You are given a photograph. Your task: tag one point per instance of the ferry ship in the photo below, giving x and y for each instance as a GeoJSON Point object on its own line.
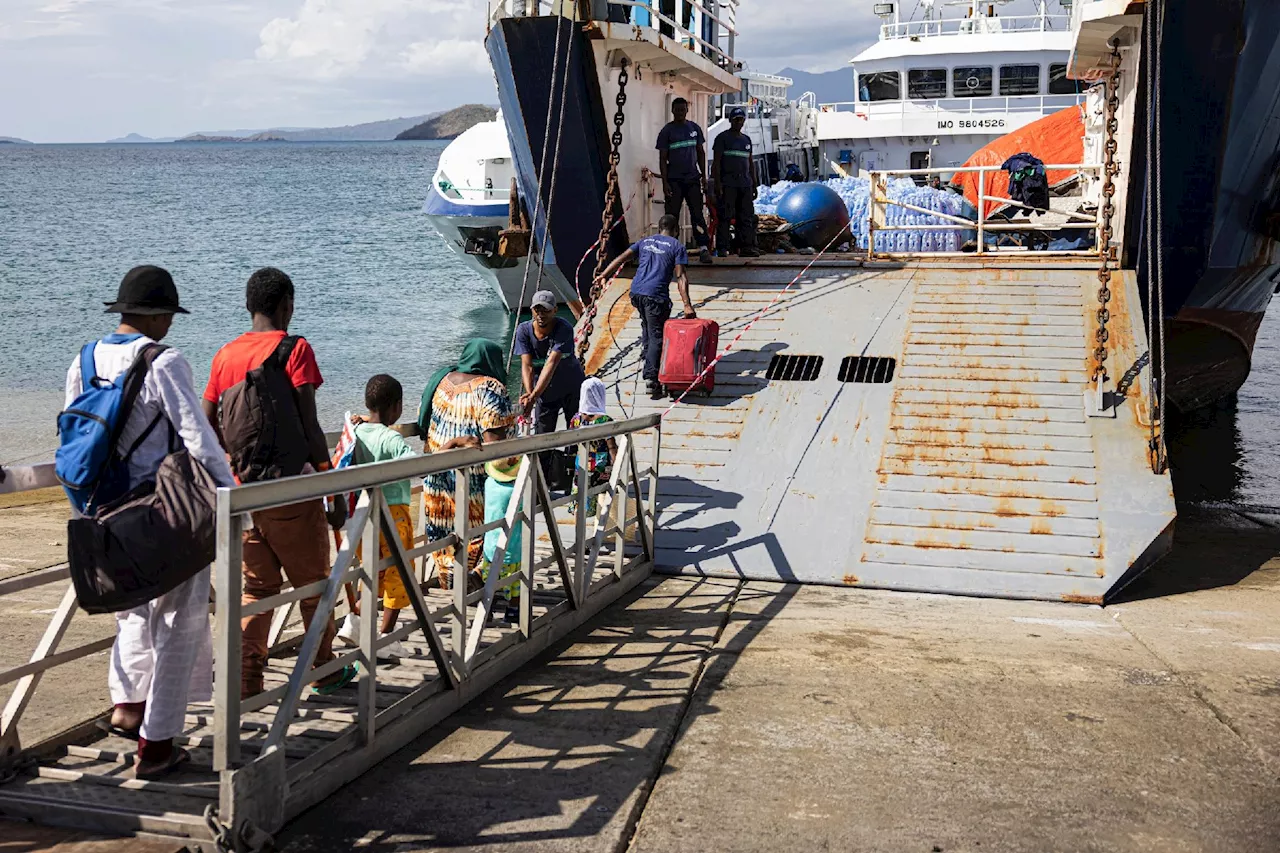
{"type": "Point", "coordinates": [986, 423]}
{"type": "Point", "coordinates": [933, 90]}
{"type": "Point", "coordinates": [468, 204]}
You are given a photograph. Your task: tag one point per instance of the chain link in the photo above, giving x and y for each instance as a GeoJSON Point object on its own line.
{"type": "Point", "coordinates": [611, 199]}
{"type": "Point", "coordinates": [1110, 261]}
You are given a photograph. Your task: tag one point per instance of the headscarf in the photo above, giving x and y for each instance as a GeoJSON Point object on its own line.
{"type": "Point", "coordinates": [480, 357]}
{"type": "Point", "coordinates": [592, 399]}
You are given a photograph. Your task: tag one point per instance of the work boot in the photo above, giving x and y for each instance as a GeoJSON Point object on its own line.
{"type": "Point", "coordinates": [704, 255]}
{"type": "Point", "coordinates": [749, 253]}
{"type": "Point", "coordinates": [656, 391]}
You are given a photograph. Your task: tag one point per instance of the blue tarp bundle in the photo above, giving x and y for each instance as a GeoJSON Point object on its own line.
{"type": "Point", "coordinates": [856, 194]}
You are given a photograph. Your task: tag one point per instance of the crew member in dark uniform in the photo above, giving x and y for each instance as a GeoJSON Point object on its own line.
{"type": "Point", "coordinates": [683, 152]}
{"type": "Point", "coordinates": [734, 172]}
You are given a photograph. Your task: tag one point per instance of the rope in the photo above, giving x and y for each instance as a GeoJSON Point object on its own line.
{"type": "Point", "coordinates": [1149, 222]}
{"type": "Point", "coordinates": [542, 171]}
{"type": "Point", "coordinates": [1161, 451]}
{"type": "Point", "coordinates": [729, 347]}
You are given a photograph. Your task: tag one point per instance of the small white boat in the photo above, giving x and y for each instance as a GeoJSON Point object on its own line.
{"type": "Point", "coordinates": [468, 203]}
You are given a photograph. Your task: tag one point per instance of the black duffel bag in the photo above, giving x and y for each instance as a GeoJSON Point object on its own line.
{"type": "Point", "coordinates": [148, 542]}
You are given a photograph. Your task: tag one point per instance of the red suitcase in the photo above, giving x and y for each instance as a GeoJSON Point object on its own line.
{"type": "Point", "coordinates": [688, 346]}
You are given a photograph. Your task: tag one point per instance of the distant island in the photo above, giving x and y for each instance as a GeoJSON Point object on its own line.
{"type": "Point", "coordinates": [265, 136]}
{"type": "Point", "coordinates": [449, 125]}
{"type": "Point", "coordinates": [136, 138]}
{"type": "Point", "coordinates": [13, 140]}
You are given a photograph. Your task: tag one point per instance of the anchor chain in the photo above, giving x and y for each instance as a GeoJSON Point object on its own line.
{"type": "Point", "coordinates": [1110, 261]}
{"type": "Point", "coordinates": [611, 200]}
{"type": "Point", "coordinates": [249, 838]}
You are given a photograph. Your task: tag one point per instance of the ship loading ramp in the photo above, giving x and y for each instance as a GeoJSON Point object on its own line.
{"type": "Point", "coordinates": [919, 426]}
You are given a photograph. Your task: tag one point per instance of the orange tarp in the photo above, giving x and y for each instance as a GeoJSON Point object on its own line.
{"type": "Point", "coordinates": [1056, 139]}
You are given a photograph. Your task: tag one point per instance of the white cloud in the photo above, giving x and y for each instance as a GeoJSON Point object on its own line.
{"type": "Point", "coordinates": [446, 55]}
{"type": "Point", "coordinates": [328, 39]}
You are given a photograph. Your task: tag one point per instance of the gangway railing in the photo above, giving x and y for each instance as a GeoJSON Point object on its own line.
{"type": "Point", "coordinates": [1081, 220]}
{"type": "Point", "coordinates": [565, 576]}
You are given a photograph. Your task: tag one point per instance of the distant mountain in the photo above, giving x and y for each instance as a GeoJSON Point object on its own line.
{"type": "Point", "coordinates": [829, 86]}
{"type": "Point", "coordinates": [265, 136]}
{"type": "Point", "coordinates": [373, 131]}
{"type": "Point", "coordinates": [449, 125]}
{"type": "Point", "coordinates": [137, 137]}
{"type": "Point", "coordinates": [13, 140]}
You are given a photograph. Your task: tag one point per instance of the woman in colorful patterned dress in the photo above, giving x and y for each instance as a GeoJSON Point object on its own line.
{"type": "Point", "coordinates": [464, 405]}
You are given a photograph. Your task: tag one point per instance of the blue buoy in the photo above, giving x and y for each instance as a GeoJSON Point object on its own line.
{"type": "Point", "coordinates": [816, 212]}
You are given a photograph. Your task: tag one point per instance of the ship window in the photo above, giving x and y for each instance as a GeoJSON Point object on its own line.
{"type": "Point", "coordinates": [919, 160]}
{"type": "Point", "coordinates": [971, 82]}
{"type": "Point", "coordinates": [794, 368]}
{"type": "Point", "coordinates": [926, 83]}
{"type": "Point", "coordinates": [1058, 82]}
{"type": "Point", "coordinates": [879, 86]}
{"type": "Point", "coordinates": [1019, 79]}
{"type": "Point", "coordinates": [871, 369]}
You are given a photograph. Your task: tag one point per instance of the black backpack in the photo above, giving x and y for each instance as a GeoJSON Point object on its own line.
{"type": "Point", "coordinates": [261, 424]}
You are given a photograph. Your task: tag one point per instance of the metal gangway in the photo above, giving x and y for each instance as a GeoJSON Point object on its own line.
{"type": "Point", "coordinates": [258, 762]}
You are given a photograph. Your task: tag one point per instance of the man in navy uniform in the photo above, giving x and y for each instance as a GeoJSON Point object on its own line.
{"type": "Point", "coordinates": [734, 172]}
{"type": "Point", "coordinates": [682, 154]}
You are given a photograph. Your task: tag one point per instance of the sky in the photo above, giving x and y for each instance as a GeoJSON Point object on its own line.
{"type": "Point", "coordinates": [91, 70]}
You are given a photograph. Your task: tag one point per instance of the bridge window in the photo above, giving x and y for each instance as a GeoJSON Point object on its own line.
{"type": "Point", "coordinates": [879, 86]}
{"type": "Point", "coordinates": [1058, 82]}
{"type": "Point", "coordinates": [926, 83]}
{"type": "Point", "coordinates": [1019, 79]}
{"type": "Point", "coordinates": [971, 82]}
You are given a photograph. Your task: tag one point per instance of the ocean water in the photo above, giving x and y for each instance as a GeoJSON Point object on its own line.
{"type": "Point", "coordinates": [377, 289]}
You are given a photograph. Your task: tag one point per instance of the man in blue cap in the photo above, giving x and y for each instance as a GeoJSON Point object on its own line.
{"type": "Point", "coordinates": [733, 170]}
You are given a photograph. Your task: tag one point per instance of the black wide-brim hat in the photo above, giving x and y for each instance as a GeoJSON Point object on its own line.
{"type": "Point", "coordinates": [146, 290]}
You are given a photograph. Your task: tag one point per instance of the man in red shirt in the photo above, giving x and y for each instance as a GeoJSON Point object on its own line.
{"type": "Point", "coordinates": [290, 538]}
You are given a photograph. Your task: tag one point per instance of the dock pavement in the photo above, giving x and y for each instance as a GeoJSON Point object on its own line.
{"type": "Point", "coordinates": [710, 714]}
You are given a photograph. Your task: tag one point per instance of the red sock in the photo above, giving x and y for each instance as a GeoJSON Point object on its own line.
{"type": "Point", "coordinates": [154, 750]}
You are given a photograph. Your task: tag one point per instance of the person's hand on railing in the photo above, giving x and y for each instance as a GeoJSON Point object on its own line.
{"type": "Point", "coordinates": [469, 442]}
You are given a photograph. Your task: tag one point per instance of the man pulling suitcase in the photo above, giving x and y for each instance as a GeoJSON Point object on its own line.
{"type": "Point", "coordinates": [660, 259]}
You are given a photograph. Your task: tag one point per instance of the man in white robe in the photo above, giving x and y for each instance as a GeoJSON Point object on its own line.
{"type": "Point", "coordinates": [163, 656]}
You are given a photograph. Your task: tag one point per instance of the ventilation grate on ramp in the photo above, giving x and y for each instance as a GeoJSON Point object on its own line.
{"type": "Point", "coordinates": [875, 370]}
{"type": "Point", "coordinates": [794, 368]}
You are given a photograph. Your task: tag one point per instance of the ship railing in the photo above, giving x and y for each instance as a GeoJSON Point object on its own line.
{"type": "Point", "coordinates": [913, 108]}
{"type": "Point", "coordinates": [981, 25]}
{"type": "Point", "coordinates": [577, 574]}
{"type": "Point", "coordinates": [985, 233]}
{"type": "Point", "coordinates": [722, 16]}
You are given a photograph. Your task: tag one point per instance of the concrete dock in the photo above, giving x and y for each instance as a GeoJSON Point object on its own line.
{"type": "Point", "coordinates": [713, 715]}
{"type": "Point", "coordinates": [717, 715]}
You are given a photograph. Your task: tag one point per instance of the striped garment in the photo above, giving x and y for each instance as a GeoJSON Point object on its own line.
{"type": "Point", "coordinates": [467, 409]}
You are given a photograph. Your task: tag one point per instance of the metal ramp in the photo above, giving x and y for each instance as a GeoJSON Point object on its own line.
{"type": "Point", "coordinates": [973, 467]}
{"type": "Point", "coordinates": [259, 761]}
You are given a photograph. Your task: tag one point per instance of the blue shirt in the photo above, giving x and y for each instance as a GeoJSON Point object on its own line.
{"type": "Point", "coordinates": [681, 140]}
{"type": "Point", "coordinates": [567, 380]}
{"type": "Point", "coordinates": [735, 159]}
{"type": "Point", "coordinates": [657, 257]}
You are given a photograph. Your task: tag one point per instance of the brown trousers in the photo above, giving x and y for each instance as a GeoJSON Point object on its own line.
{"type": "Point", "coordinates": [294, 539]}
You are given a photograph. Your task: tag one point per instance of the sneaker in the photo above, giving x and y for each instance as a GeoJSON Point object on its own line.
{"type": "Point", "coordinates": [349, 633]}
{"type": "Point", "coordinates": [393, 651]}
{"type": "Point", "coordinates": [337, 681]}
{"type": "Point", "coordinates": [704, 256]}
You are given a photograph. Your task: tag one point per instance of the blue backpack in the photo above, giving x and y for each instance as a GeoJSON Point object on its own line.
{"type": "Point", "coordinates": [88, 462]}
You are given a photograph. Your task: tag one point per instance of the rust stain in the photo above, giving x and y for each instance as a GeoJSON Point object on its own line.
{"type": "Point", "coordinates": [1040, 526]}
{"type": "Point", "coordinates": [850, 580]}
{"type": "Point", "coordinates": [1078, 598]}
{"type": "Point", "coordinates": [1076, 481]}
{"type": "Point", "coordinates": [835, 439]}
{"type": "Point", "coordinates": [619, 315]}
{"type": "Point", "coordinates": [1051, 508]}
{"type": "Point", "coordinates": [1101, 572]}
{"type": "Point", "coordinates": [1005, 508]}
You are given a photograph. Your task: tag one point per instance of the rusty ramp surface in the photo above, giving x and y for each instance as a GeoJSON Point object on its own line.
{"type": "Point", "coordinates": [917, 426]}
